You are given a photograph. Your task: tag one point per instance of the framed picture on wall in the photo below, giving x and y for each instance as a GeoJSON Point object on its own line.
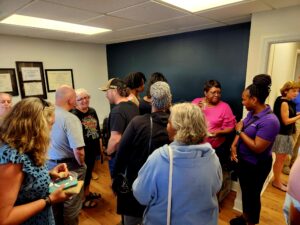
{"type": "Point", "coordinates": [8, 81]}
{"type": "Point", "coordinates": [57, 77]}
{"type": "Point", "coordinates": [31, 79]}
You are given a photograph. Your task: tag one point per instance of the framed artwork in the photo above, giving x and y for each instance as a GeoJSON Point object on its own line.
{"type": "Point", "coordinates": [31, 79]}
{"type": "Point", "coordinates": [57, 77]}
{"type": "Point", "coordinates": [8, 81]}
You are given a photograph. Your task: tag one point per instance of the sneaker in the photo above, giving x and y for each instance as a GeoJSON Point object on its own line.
{"type": "Point", "coordinates": [238, 221]}
{"type": "Point", "coordinates": [286, 170]}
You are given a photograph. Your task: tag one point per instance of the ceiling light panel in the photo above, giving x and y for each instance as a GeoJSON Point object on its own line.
{"type": "Point", "coordinates": [29, 21]}
{"type": "Point", "coordinates": [199, 5]}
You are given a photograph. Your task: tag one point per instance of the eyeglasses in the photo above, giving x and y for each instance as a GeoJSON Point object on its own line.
{"type": "Point", "coordinates": [83, 98]}
{"type": "Point", "coordinates": [215, 92]}
{"type": "Point", "coordinates": [5, 101]}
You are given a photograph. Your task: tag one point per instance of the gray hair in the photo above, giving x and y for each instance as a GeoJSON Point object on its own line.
{"type": "Point", "coordinates": [189, 122]}
{"type": "Point", "coordinates": [161, 96]}
{"type": "Point", "coordinates": [80, 91]}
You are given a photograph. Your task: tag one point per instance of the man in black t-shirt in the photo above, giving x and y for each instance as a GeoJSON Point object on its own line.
{"type": "Point", "coordinates": [120, 115]}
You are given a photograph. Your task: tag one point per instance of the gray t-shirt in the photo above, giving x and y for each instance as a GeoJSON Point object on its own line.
{"type": "Point", "coordinates": [66, 135]}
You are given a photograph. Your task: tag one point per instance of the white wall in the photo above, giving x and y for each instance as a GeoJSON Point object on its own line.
{"type": "Point", "coordinates": [267, 28]}
{"type": "Point", "coordinates": [88, 62]}
{"type": "Point", "coordinates": [282, 62]}
{"type": "Point", "coordinates": [276, 26]}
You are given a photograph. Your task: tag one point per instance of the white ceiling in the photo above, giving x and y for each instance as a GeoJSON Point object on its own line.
{"type": "Point", "coordinates": [128, 19]}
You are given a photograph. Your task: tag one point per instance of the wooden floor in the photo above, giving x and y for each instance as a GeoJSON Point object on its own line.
{"type": "Point", "coordinates": [104, 212]}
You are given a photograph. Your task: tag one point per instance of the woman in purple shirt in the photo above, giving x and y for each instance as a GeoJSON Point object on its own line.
{"type": "Point", "coordinates": [251, 148]}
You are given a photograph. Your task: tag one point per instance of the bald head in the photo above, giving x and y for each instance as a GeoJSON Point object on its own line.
{"type": "Point", "coordinates": [65, 97]}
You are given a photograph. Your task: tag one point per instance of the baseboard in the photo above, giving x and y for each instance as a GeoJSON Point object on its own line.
{"type": "Point", "coordinates": [235, 186]}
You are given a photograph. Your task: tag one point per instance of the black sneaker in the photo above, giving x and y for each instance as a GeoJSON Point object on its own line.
{"type": "Point", "coordinates": [238, 221]}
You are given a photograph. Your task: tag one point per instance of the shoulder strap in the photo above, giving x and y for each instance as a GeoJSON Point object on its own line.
{"type": "Point", "coordinates": [150, 139]}
{"type": "Point", "coordinates": [170, 186]}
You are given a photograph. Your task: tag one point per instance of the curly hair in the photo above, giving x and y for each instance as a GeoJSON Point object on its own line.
{"type": "Point", "coordinates": [189, 123]}
{"type": "Point", "coordinates": [26, 128]}
{"type": "Point", "coordinates": [161, 95]}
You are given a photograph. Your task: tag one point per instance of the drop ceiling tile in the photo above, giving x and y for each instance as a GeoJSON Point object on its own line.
{"type": "Point", "coordinates": [102, 6]}
{"type": "Point", "coordinates": [235, 10]}
{"type": "Point", "coordinates": [185, 21]}
{"type": "Point", "coordinates": [201, 27]}
{"type": "Point", "coordinates": [237, 20]}
{"type": "Point", "coordinates": [148, 12]}
{"type": "Point", "coordinates": [56, 12]}
{"type": "Point", "coordinates": [111, 22]}
{"type": "Point", "coordinates": [282, 3]}
{"type": "Point", "coordinates": [8, 7]}
{"type": "Point", "coordinates": [129, 19]}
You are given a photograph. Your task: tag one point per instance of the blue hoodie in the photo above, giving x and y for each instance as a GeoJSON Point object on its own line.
{"type": "Point", "coordinates": [197, 177]}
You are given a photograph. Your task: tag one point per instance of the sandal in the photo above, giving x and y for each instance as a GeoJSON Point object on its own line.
{"type": "Point", "coordinates": [93, 195]}
{"type": "Point", "coordinates": [89, 203]}
{"type": "Point", "coordinates": [282, 188]}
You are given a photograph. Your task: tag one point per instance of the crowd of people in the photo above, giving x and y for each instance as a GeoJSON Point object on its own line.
{"type": "Point", "coordinates": [165, 160]}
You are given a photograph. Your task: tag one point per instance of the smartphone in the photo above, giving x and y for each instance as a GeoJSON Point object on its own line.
{"type": "Point", "coordinates": [69, 181]}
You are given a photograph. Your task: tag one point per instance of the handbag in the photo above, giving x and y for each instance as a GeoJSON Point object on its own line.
{"type": "Point", "coordinates": [170, 186]}
{"type": "Point", "coordinates": [120, 184]}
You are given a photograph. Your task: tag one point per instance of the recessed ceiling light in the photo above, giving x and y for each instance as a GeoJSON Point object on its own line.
{"type": "Point", "coordinates": [36, 22]}
{"type": "Point", "coordinates": [199, 5]}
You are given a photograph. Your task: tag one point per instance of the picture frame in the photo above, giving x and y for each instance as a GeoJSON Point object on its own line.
{"type": "Point", "coordinates": [8, 81]}
{"type": "Point", "coordinates": [57, 77]}
{"type": "Point", "coordinates": [31, 79]}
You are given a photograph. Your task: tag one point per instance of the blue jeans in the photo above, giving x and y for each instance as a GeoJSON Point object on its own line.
{"type": "Point", "coordinates": [111, 165]}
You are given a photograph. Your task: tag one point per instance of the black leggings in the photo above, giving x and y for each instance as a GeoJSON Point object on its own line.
{"type": "Point", "coordinates": [89, 159]}
{"type": "Point", "coordinates": [252, 178]}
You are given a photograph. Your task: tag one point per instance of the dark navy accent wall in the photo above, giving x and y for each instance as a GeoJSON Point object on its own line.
{"type": "Point", "coordinates": [188, 60]}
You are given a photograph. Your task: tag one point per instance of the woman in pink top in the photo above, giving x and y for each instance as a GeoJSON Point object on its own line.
{"type": "Point", "coordinates": [219, 117]}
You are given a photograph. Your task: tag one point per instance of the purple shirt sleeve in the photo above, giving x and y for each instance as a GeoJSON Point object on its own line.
{"type": "Point", "coordinates": [268, 128]}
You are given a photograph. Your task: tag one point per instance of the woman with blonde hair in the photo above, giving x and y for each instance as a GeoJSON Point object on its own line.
{"type": "Point", "coordinates": [197, 174]}
{"type": "Point", "coordinates": [24, 178]}
{"type": "Point", "coordinates": [285, 110]}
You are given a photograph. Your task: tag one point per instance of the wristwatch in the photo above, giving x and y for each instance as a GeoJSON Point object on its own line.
{"type": "Point", "coordinates": [238, 132]}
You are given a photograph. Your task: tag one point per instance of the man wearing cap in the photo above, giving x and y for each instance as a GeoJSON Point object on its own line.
{"type": "Point", "coordinates": [67, 146]}
{"type": "Point", "coordinates": [120, 115]}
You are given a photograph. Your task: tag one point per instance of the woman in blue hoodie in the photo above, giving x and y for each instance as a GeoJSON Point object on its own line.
{"type": "Point", "coordinates": [197, 174]}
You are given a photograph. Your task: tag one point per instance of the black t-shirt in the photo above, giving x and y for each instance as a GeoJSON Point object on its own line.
{"type": "Point", "coordinates": [285, 129]}
{"type": "Point", "coordinates": [120, 116]}
{"type": "Point", "coordinates": [91, 130]}
{"type": "Point", "coordinates": [145, 107]}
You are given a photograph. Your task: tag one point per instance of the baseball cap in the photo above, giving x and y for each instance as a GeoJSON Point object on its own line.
{"type": "Point", "coordinates": [113, 83]}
